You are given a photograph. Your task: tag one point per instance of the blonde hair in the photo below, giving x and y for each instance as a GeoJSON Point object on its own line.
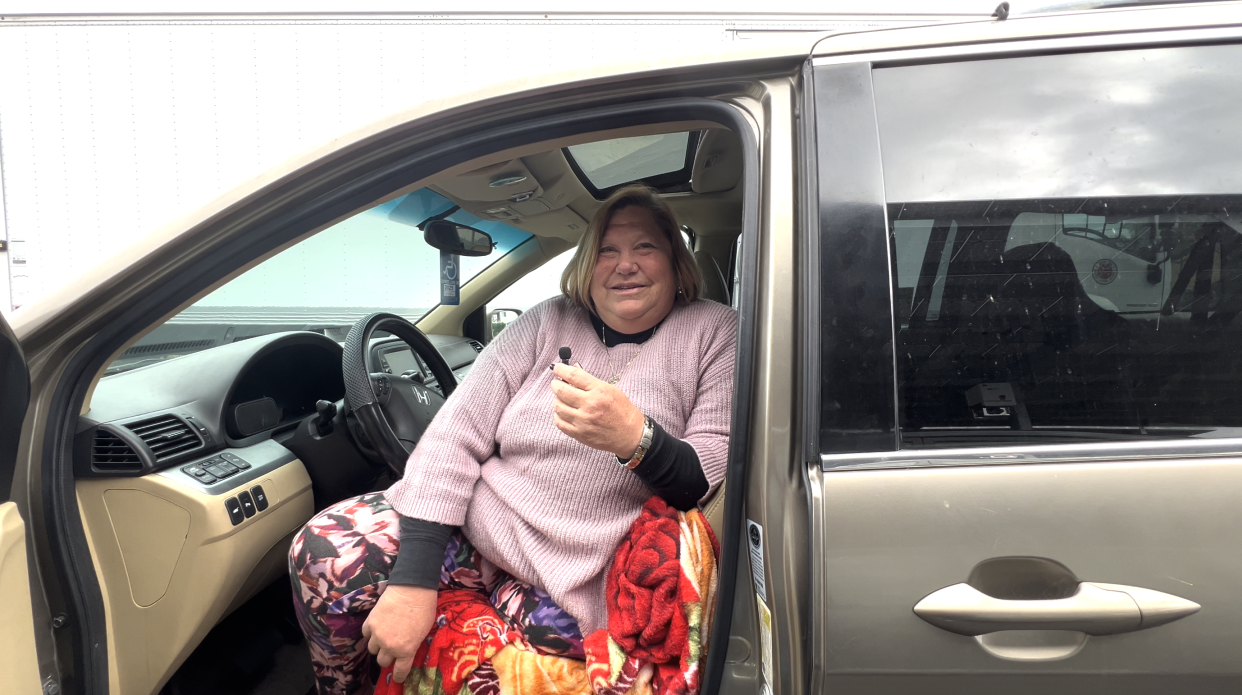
{"type": "Point", "coordinates": [576, 280]}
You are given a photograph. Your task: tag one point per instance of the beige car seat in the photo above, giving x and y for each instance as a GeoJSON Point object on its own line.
{"type": "Point", "coordinates": [713, 510]}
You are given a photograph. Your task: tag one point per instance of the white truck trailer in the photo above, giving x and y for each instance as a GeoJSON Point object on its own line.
{"type": "Point", "coordinates": [114, 125]}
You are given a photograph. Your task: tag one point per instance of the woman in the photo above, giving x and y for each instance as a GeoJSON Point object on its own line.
{"type": "Point", "coordinates": [533, 471]}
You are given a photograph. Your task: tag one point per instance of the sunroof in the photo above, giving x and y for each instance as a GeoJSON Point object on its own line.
{"type": "Point", "coordinates": [659, 160]}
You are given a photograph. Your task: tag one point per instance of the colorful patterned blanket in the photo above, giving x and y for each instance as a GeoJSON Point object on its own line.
{"type": "Point", "coordinates": [661, 594]}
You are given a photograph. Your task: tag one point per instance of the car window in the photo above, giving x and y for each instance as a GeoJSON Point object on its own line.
{"type": "Point", "coordinates": [373, 261]}
{"type": "Point", "coordinates": [611, 162]}
{"type": "Point", "coordinates": [663, 162]}
{"type": "Point", "coordinates": [1067, 246]}
{"type": "Point", "coordinates": [534, 287]}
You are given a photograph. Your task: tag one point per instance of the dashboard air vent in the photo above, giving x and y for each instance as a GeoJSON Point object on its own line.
{"type": "Point", "coordinates": [478, 347]}
{"type": "Point", "coordinates": [167, 436]}
{"type": "Point", "coordinates": [110, 453]}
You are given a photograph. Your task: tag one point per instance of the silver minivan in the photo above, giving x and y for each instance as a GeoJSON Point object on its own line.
{"type": "Point", "coordinates": [987, 431]}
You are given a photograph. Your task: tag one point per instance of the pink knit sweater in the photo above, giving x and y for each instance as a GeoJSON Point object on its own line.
{"type": "Point", "coordinates": [542, 506]}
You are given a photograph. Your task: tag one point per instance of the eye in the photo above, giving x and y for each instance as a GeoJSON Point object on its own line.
{"type": "Point", "coordinates": [607, 250]}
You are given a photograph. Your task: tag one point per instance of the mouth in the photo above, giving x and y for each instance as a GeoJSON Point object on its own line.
{"type": "Point", "coordinates": [627, 287]}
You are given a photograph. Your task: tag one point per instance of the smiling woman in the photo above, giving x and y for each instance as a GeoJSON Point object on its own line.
{"type": "Point", "coordinates": [630, 272]}
{"type": "Point", "coordinates": [527, 479]}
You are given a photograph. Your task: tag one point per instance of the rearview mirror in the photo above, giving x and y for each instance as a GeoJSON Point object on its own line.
{"type": "Point", "coordinates": [457, 238]}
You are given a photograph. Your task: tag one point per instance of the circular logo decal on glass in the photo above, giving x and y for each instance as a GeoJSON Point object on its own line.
{"type": "Point", "coordinates": [1105, 271]}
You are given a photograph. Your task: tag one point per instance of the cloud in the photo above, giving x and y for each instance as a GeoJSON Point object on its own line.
{"type": "Point", "coordinates": [1140, 122]}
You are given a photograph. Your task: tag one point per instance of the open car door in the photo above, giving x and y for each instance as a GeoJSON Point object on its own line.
{"type": "Point", "coordinates": [18, 660]}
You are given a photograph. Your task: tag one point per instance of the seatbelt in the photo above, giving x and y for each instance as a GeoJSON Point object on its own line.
{"type": "Point", "coordinates": [1199, 265]}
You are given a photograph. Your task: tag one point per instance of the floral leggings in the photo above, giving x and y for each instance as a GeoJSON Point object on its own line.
{"type": "Point", "coordinates": [339, 564]}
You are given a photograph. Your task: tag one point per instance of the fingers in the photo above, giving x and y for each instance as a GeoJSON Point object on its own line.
{"type": "Point", "coordinates": [370, 644]}
{"type": "Point", "coordinates": [565, 412]}
{"type": "Point", "coordinates": [401, 669]}
{"type": "Point", "coordinates": [563, 424]}
{"type": "Point", "coordinates": [575, 376]}
{"type": "Point", "coordinates": [568, 394]}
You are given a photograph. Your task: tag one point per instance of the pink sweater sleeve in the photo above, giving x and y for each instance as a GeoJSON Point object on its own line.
{"type": "Point", "coordinates": [707, 428]}
{"type": "Point", "coordinates": [441, 474]}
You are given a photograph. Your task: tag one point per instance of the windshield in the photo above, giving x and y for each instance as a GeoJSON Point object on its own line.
{"type": "Point", "coordinates": [374, 261]}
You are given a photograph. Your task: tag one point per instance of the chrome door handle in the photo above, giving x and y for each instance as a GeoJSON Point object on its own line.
{"type": "Point", "coordinates": [1095, 609]}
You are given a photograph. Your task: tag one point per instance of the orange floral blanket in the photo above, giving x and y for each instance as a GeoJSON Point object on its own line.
{"type": "Point", "coordinates": [661, 594]}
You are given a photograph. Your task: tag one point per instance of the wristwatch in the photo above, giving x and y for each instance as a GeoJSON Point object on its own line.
{"type": "Point", "coordinates": [643, 445]}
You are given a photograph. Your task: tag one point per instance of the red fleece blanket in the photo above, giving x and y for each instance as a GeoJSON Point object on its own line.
{"type": "Point", "coordinates": [661, 594]}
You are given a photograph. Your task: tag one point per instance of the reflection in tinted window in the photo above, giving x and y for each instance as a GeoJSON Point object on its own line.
{"type": "Point", "coordinates": [1145, 122]}
{"type": "Point", "coordinates": [1017, 322]}
{"type": "Point", "coordinates": [1067, 246]}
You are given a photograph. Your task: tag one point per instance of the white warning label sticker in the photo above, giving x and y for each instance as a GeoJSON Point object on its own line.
{"type": "Point", "coordinates": [765, 639]}
{"type": "Point", "coordinates": [754, 541]}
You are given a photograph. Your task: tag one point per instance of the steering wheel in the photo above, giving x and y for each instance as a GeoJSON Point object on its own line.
{"type": "Point", "coordinates": [393, 411]}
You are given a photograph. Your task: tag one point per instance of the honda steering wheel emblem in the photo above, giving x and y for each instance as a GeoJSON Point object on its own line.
{"type": "Point", "coordinates": [1104, 271]}
{"type": "Point", "coordinates": [421, 395]}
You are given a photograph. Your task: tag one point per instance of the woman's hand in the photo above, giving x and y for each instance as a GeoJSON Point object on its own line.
{"type": "Point", "coordinates": [595, 412]}
{"type": "Point", "coordinates": [397, 626]}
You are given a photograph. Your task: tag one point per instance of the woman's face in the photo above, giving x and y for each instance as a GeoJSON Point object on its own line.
{"type": "Point", "coordinates": [634, 285]}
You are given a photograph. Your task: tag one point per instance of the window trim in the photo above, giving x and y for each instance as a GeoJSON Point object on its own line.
{"type": "Point", "coordinates": [850, 277]}
{"type": "Point", "coordinates": [1089, 452]}
{"type": "Point", "coordinates": [302, 202]}
{"type": "Point", "coordinates": [1018, 47]}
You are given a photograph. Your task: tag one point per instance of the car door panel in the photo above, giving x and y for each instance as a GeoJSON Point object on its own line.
{"type": "Point", "coordinates": [898, 535]}
{"type": "Point", "coordinates": [996, 425]}
{"type": "Point", "coordinates": [19, 660]}
{"type": "Point", "coordinates": [172, 563]}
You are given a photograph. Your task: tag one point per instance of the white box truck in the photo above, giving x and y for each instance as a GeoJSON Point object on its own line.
{"type": "Point", "coordinates": [114, 125]}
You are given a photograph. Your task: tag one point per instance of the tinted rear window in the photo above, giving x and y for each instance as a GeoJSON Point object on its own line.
{"type": "Point", "coordinates": [1067, 246]}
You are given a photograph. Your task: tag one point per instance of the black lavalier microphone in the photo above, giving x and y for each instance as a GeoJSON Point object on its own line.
{"type": "Point", "coordinates": [565, 354]}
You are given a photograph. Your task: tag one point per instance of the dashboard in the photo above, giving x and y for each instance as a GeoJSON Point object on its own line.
{"type": "Point", "coordinates": [220, 418]}
{"type": "Point", "coordinates": [393, 356]}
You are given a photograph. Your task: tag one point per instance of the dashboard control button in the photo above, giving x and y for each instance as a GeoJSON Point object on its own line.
{"type": "Point", "coordinates": [227, 467]}
{"type": "Point", "coordinates": [247, 504]}
{"type": "Point", "coordinates": [217, 471]}
{"type": "Point", "coordinates": [235, 510]}
{"type": "Point", "coordinates": [196, 471]}
{"type": "Point", "coordinates": [235, 460]}
{"type": "Point", "coordinates": [260, 499]}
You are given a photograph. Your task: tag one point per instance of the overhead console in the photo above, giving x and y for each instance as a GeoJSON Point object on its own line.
{"type": "Point", "coordinates": [534, 192]}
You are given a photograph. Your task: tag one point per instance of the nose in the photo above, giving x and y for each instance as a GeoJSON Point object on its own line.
{"type": "Point", "coordinates": [627, 264]}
